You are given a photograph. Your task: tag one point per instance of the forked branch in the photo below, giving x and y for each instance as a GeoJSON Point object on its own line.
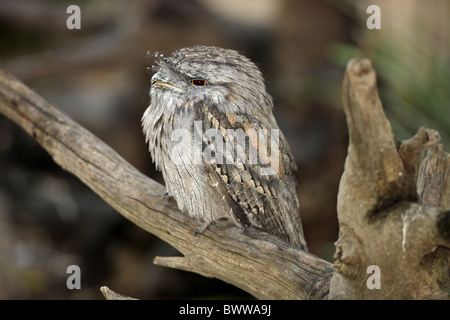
{"type": "Point", "coordinates": [391, 213]}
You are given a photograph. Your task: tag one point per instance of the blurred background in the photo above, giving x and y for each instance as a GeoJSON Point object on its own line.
{"type": "Point", "coordinates": [98, 75]}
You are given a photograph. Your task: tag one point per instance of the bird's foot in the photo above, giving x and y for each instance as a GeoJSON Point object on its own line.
{"type": "Point", "coordinates": [166, 195]}
{"type": "Point", "coordinates": [201, 228]}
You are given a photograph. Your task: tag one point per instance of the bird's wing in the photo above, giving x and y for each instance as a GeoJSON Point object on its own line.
{"type": "Point", "coordinates": [249, 161]}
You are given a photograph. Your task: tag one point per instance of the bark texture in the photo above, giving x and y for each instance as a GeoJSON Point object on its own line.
{"type": "Point", "coordinates": [383, 220]}
{"type": "Point", "coordinates": [392, 213]}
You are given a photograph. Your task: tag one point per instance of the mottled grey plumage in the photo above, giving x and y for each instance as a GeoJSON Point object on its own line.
{"type": "Point", "coordinates": [201, 88]}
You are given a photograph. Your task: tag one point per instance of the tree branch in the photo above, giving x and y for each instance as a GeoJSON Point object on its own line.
{"type": "Point", "coordinates": [391, 213]}
{"type": "Point", "coordinates": [433, 183]}
{"type": "Point", "coordinates": [111, 295]}
{"type": "Point", "coordinates": [253, 260]}
{"type": "Point", "coordinates": [379, 225]}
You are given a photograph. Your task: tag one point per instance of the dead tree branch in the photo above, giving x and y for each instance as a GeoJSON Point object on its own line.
{"type": "Point", "coordinates": [392, 213]}
{"type": "Point", "coordinates": [379, 225]}
{"type": "Point", "coordinates": [253, 260]}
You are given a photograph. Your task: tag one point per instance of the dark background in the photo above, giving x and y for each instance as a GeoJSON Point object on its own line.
{"type": "Point", "coordinates": [98, 75]}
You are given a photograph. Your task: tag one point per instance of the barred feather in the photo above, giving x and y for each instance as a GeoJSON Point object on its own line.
{"type": "Point", "coordinates": [228, 101]}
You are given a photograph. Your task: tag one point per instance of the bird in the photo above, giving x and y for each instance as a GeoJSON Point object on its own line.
{"type": "Point", "coordinates": [211, 131]}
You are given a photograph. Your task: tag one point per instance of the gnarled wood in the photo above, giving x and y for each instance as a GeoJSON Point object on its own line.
{"type": "Point", "coordinates": [378, 223]}
{"type": "Point", "coordinates": [386, 218]}
{"type": "Point", "coordinates": [253, 260]}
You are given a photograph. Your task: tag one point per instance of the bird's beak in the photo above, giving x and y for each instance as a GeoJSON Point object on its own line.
{"type": "Point", "coordinates": [166, 85]}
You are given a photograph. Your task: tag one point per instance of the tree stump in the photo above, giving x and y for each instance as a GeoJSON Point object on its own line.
{"type": "Point", "coordinates": [384, 221]}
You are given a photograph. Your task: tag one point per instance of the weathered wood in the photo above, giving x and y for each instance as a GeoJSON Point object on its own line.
{"type": "Point", "coordinates": [378, 223]}
{"type": "Point", "coordinates": [433, 184]}
{"type": "Point", "coordinates": [259, 263]}
{"type": "Point", "coordinates": [112, 295]}
{"type": "Point", "coordinates": [391, 214]}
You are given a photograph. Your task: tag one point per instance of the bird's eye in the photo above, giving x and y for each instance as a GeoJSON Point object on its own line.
{"type": "Point", "coordinates": [199, 82]}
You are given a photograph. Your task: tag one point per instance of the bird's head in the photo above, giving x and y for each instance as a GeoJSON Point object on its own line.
{"type": "Point", "coordinates": [207, 74]}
